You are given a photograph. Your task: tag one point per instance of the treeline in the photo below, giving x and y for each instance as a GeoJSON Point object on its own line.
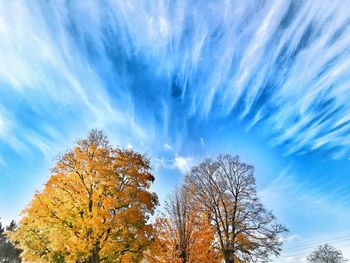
{"type": "Point", "coordinates": [97, 207]}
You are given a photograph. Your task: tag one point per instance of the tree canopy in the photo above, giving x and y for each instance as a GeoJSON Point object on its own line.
{"type": "Point", "coordinates": [97, 203]}
{"type": "Point", "coordinates": [94, 207]}
{"type": "Point", "coordinates": [326, 254]}
{"type": "Point", "coordinates": [225, 190]}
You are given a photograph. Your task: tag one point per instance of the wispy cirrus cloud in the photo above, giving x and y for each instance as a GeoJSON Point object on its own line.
{"type": "Point", "coordinates": [285, 67]}
{"type": "Point", "coordinates": [47, 83]}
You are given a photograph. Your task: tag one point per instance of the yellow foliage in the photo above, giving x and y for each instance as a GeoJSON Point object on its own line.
{"type": "Point", "coordinates": [94, 207]}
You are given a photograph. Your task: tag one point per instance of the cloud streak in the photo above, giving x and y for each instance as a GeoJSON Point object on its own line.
{"type": "Point", "coordinates": [282, 65]}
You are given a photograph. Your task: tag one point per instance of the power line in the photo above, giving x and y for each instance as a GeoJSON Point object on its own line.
{"type": "Point", "coordinates": [316, 242]}
{"type": "Point", "coordinates": [321, 239]}
{"type": "Point", "coordinates": [312, 244]}
{"type": "Point", "coordinates": [306, 254]}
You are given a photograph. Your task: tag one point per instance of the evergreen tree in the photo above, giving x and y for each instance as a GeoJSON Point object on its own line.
{"type": "Point", "coordinates": [8, 252]}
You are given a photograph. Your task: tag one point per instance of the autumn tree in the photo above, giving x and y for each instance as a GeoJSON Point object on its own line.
{"type": "Point", "coordinates": [326, 254]}
{"type": "Point", "coordinates": [225, 189]}
{"type": "Point", "coordinates": [8, 252]}
{"type": "Point", "coordinates": [184, 234]}
{"type": "Point", "coordinates": [94, 207]}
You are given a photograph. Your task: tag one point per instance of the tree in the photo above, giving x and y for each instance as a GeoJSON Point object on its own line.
{"type": "Point", "coordinates": [8, 252]}
{"type": "Point", "coordinates": [326, 254]}
{"type": "Point", "coordinates": [184, 234]}
{"type": "Point", "coordinates": [225, 189]}
{"type": "Point", "coordinates": [94, 207]}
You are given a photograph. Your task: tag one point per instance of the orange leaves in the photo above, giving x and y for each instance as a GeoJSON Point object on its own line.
{"type": "Point", "coordinates": [173, 246]}
{"type": "Point", "coordinates": [94, 206]}
{"type": "Point", "coordinates": [184, 234]}
{"type": "Point", "coordinates": [243, 241]}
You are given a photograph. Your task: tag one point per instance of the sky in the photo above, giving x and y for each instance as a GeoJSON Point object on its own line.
{"type": "Point", "coordinates": [183, 80]}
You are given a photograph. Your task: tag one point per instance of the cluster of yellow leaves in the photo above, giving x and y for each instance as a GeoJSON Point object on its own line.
{"type": "Point", "coordinates": [94, 207]}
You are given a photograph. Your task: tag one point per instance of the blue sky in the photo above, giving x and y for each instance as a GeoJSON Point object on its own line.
{"type": "Point", "coordinates": [182, 80]}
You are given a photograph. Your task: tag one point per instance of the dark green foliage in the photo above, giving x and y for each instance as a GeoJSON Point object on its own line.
{"type": "Point", "coordinates": [8, 252]}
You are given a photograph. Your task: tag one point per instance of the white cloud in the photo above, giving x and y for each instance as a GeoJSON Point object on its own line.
{"type": "Point", "coordinates": [184, 164]}
{"type": "Point", "coordinates": [44, 57]}
{"type": "Point", "coordinates": [53, 77]}
{"type": "Point", "coordinates": [162, 163]}
{"type": "Point", "coordinates": [129, 146]}
{"type": "Point", "coordinates": [167, 147]}
{"type": "Point", "coordinates": [292, 238]}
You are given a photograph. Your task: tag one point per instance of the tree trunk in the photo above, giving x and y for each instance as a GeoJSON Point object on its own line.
{"type": "Point", "coordinates": [229, 257]}
{"type": "Point", "coordinates": [95, 257]}
{"type": "Point", "coordinates": [183, 256]}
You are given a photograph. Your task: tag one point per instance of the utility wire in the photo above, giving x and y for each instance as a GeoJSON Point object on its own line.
{"type": "Point", "coordinates": [312, 244]}
{"type": "Point", "coordinates": [321, 239]}
{"type": "Point", "coordinates": [306, 254]}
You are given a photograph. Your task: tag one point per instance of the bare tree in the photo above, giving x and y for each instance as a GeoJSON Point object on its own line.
{"type": "Point", "coordinates": [178, 209]}
{"type": "Point", "coordinates": [326, 254]}
{"type": "Point", "coordinates": [225, 188]}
